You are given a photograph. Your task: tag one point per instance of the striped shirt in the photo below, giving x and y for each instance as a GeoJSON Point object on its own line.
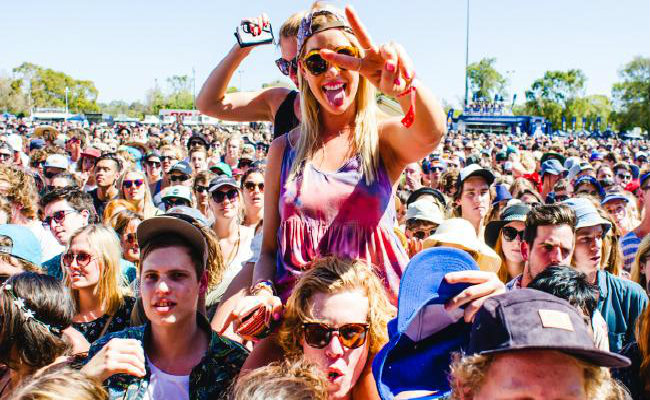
{"type": "Point", "coordinates": [629, 245]}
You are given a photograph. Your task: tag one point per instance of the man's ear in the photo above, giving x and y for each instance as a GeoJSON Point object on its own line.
{"type": "Point", "coordinates": [203, 283]}
{"type": "Point", "coordinates": [524, 250]}
{"type": "Point", "coordinates": [85, 214]}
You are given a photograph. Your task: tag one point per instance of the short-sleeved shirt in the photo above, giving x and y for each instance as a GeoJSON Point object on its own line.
{"type": "Point", "coordinates": [629, 245]}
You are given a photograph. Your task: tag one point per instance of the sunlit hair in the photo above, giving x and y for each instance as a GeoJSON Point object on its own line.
{"type": "Point", "coordinates": [643, 341]}
{"type": "Point", "coordinates": [289, 28]}
{"type": "Point", "coordinates": [61, 384]}
{"type": "Point", "coordinates": [642, 254]}
{"type": "Point", "coordinates": [331, 275]}
{"type": "Point", "coordinates": [104, 246]}
{"type": "Point", "coordinates": [280, 381]}
{"type": "Point", "coordinates": [612, 255]}
{"type": "Point", "coordinates": [26, 342]}
{"type": "Point", "coordinates": [22, 190]}
{"type": "Point", "coordinates": [468, 376]}
{"type": "Point", "coordinates": [115, 206]}
{"type": "Point", "coordinates": [144, 206]}
{"type": "Point", "coordinates": [503, 273]}
{"type": "Point", "coordinates": [366, 136]}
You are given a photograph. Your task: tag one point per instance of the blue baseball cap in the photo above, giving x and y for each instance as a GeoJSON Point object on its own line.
{"type": "Point", "coordinates": [590, 179]}
{"type": "Point", "coordinates": [424, 335]}
{"type": "Point", "coordinates": [502, 193]}
{"type": "Point", "coordinates": [643, 178]}
{"type": "Point", "coordinates": [587, 214]}
{"type": "Point", "coordinates": [24, 244]}
{"type": "Point", "coordinates": [614, 196]}
{"type": "Point", "coordinates": [553, 167]}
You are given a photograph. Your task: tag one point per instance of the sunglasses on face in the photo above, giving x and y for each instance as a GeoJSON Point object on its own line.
{"type": "Point", "coordinates": [252, 185]}
{"type": "Point", "coordinates": [286, 67]}
{"type": "Point", "coordinates": [436, 169]}
{"type": "Point", "coordinates": [82, 259]}
{"type": "Point", "coordinates": [173, 202]}
{"type": "Point", "coordinates": [424, 234]}
{"type": "Point", "coordinates": [58, 217]}
{"type": "Point", "coordinates": [201, 189]}
{"type": "Point", "coordinates": [5, 156]}
{"type": "Point", "coordinates": [50, 174]}
{"type": "Point", "coordinates": [319, 335]}
{"type": "Point", "coordinates": [624, 177]}
{"type": "Point", "coordinates": [220, 196]}
{"type": "Point", "coordinates": [136, 182]}
{"type": "Point", "coordinates": [510, 233]}
{"type": "Point", "coordinates": [131, 239]}
{"type": "Point", "coordinates": [245, 163]}
{"type": "Point", "coordinates": [316, 64]}
{"type": "Point", "coordinates": [166, 158]}
{"type": "Point", "coordinates": [153, 164]}
{"type": "Point", "coordinates": [179, 178]}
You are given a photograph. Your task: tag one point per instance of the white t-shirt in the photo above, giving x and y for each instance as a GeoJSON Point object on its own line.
{"type": "Point", "coordinates": [164, 386]}
{"type": "Point", "coordinates": [244, 253]}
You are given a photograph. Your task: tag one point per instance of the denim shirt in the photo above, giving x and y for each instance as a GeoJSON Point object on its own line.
{"type": "Point", "coordinates": [621, 302]}
{"type": "Point", "coordinates": [210, 379]}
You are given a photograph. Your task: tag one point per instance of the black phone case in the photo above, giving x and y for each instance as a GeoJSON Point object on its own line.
{"type": "Point", "coordinates": [246, 39]}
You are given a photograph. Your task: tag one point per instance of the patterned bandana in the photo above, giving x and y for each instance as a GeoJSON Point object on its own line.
{"type": "Point", "coordinates": [305, 29]}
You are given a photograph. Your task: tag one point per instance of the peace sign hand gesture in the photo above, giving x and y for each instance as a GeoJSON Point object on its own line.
{"type": "Point", "coordinates": [388, 66]}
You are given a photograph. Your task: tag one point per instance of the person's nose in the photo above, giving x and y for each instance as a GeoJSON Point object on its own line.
{"type": "Point", "coordinates": [162, 286]}
{"type": "Point", "coordinates": [334, 348]}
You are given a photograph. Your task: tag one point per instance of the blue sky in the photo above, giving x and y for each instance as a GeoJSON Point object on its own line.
{"type": "Point", "coordinates": [125, 45]}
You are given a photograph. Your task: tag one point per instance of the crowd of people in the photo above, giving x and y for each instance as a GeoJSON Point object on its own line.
{"type": "Point", "coordinates": [341, 254]}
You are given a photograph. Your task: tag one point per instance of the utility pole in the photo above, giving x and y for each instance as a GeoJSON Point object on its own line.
{"type": "Point", "coordinates": [466, 53]}
{"type": "Point", "coordinates": [66, 103]}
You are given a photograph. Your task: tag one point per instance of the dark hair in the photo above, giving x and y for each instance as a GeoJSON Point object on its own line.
{"type": "Point", "coordinates": [569, 284]}
{"type": "Point", "coordinates": [166, 240]}
{"type": "Point", "coordinates": [250, 172]}
{"type": "Point", "coordinates": [623, 165]}
{"type": "Point", "coordinates": [110, 157]}
{"type": "Point", "coordinates": [35, 344]}
{"type": "Point", "coordinates": [123, 218]}
{"type": "Point", "coordinates": [76, 198]}
{"type": "Point", "coordinates": [548, 214]}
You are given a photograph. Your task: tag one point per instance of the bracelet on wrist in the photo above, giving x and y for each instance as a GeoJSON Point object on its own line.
{"type": "Point", "coordinates": [265, 285]}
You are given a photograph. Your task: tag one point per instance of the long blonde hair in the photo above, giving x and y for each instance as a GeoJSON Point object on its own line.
{"type": "Point", "coordinates": [641, 257]}
{"type": "Point", "coordinates": [144, 206]}
{"type": "Point", "coordinates": [366, 136]}
{"type": "Point", "coordinates": [111, 288]}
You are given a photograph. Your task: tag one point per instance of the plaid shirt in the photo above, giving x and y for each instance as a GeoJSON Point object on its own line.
{"type": "Point", "coordinates": [209, 379]}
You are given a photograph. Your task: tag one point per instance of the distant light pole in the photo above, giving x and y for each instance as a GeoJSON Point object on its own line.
{"type": "Point", "coordinates": [66, 103]}
{"type": "Point", "coordinates": [466, 54]}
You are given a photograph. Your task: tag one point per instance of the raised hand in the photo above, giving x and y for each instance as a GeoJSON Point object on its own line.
{"type": "Point", "coordinates": [388, 66]}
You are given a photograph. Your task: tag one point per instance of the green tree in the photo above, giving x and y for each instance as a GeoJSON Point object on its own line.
{"type": "Point", "coordinates": [11, 101]}
{"type": "Point", "coordinates": [557, 94]}
{"type": "Point", "coordinates": [632, 95]}
{"type": "Point", "coordinates": [484, 80]}
{"type": "Point", "coordinates": [47, 88]}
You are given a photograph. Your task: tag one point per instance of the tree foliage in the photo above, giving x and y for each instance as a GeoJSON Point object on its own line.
{"type": "Point", "coordinates": [484, 80]}
{"type": "Point", "coordinates": [632, 95]}
{"type": "Point", "coordinates": [45, 87]}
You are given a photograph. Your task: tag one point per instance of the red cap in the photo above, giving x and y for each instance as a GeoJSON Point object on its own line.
{"type": "Point", "coordinates": [90, 152]}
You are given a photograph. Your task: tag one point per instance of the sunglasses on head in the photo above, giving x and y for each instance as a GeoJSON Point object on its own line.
{"type": "Point", "coordinates": [82, 259]}
{"type": "Point", "coordinates": [316, 64]}
{"type": "Point", "coordinates": [137, 182]}
{"type": "Point", "coordinates": [318, 335]}
{"type": "Point", "coordinates": [252, 185]}
{"type": "Point", "coordinates": [220, 196]}
{"type": "Point", "coordinates": [58, 217]}
{"type": "Point", "coordinates": [179, 178]}
{"type": "Point", "coordinates": [286, 67]}
{"type": "Point", "coordinates": [510, 233]}
{"type": "Point", "coordinates": [201, 189]}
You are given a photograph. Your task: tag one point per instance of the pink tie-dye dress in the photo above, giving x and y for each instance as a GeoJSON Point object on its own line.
{"type": "Point", "coordinates": [338, 214]}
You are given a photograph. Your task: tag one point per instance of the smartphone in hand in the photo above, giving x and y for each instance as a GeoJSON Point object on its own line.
{"type": "Point", "coordinates": [245, 37]}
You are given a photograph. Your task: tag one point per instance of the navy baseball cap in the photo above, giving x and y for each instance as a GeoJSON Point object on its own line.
{"type": "Point", "coordinates": [553, 167]}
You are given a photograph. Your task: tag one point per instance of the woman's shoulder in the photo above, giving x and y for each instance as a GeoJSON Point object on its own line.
{"type": "Point", "coordinates": [246, 233]}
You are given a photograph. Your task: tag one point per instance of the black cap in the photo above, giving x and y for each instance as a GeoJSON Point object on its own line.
{"type": "Point", "coordinates": [182, 167]}
{"type": "Point", "coordinates": [527, 319]}
{"type": "Point", "coordinates": [221, 181]}
{"type": "Point", "coordinates": [423, 191]}
{"type": "Point", "coordinates": [515, 212]}
{"type": "Point", "coordinates": [197, 137]}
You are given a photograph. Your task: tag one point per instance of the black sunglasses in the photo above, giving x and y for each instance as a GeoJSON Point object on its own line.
{"type": "Point", "coordinates": [423, 234]}
{"type": "Point", "coordinates": [252, 185]}
{"type": "Point", "coordinates": [319, 335]}
{"type": "Point", "coordinates": [286, 67]}
{"type": "Point", "coordinates": [219, 196]}
{"type": "Point", "coordinates": [510, 233]}
{"type": "Point", "coordinates": [201, 189]}
{"type": "Point", "coordinates": [179, 178]}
